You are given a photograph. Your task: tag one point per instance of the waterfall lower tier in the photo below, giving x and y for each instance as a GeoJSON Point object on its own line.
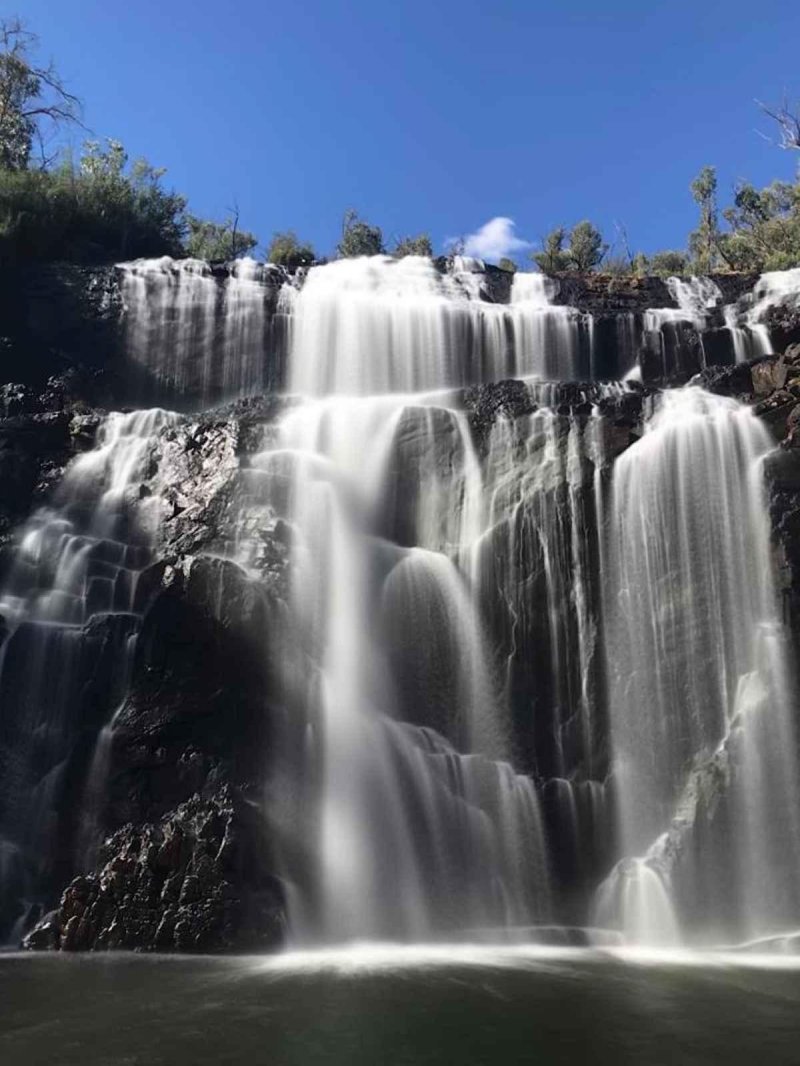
{"type": "Point", "coordinates": [700, 699]}
{"type": "Point", "coordinates": [414, 837]}
{"type": "Point", "coordinates": [70, 603]}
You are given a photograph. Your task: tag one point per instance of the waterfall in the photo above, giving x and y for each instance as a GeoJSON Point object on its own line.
{"type": "Point", "coordinates": [421, 827]}
{"type": "Point", "coordinates": [383, 325]}
{"type": "Point", "coordinates": [750, 319]}
{"type": "Point", "coordinates": [70, 603]}
{"type": "Point", "coordinates": [774, 291]}
{"type": "Point", "coordinates": [197, 333]}
{"type": "Point", "coordinates": [198, 337]}
{"type": "Point", "coordinates": [549, 340]}
{"type": "Point", "coordinates": [699, 687]}
{"type": "Point", "coordinates": [418, 566]}
{"type": "Point", "coordinates": [529, 668]}
{"type": "Point", "coordinates": [695, 296]}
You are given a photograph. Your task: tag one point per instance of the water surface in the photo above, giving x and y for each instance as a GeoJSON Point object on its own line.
{"type": "Point", "coordinates": [375, 1006]}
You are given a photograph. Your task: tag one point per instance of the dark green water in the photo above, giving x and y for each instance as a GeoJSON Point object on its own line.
{"type": "Point", "coordinates": [477, 1006]}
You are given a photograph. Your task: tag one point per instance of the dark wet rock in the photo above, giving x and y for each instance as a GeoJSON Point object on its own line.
{"type": "Point", "coordinates": [199, 706]}
{"type": "Point", "coordinates": [608, 293]}
{"type": "Point", "coordinates": [496, 286]}
{"type": "Point", "coordinates": [673, 356]}
{"type": "Point", "coordinates": [486, 403]}
{"type": "Point", "coordinates": [56, 316]}
{"type": "Point", "coordinates": [775, 410]}
{"type": "Point", "coordinates": [605, 293]}
{"type": "Point", "coordinates": [718, 347]}
{"type": "Point", "coordinates": [756, 380]}
{"type": "Point", "coordinates": [198, 880]}
{"type": "Point", "coordinates": [783, 322]}
{"type": "Point", "coordinates": [46, 934]}
{"type": "Point", "coordinates": [734, 380]}
{"type": "Point", "coordinates": [780, 409]}
{"type": "Point", "coordinates": [56, 723]}
{"type": "Point", "coordinates": [34, 449]}
{"type": "Point", "coordinates": [735, 285]}
{"type": "Point", "coordinates": [18, 399]}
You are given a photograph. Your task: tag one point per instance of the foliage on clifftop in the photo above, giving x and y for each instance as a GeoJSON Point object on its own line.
{"type": "Point", "coordinates": [98, 207]}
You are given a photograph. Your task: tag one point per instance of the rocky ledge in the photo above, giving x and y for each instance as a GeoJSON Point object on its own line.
{"type": "Point", "coordinates": [610, 294]}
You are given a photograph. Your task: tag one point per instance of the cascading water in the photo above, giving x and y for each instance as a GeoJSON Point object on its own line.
{"type": "Point", "coordinates": [195, 336]}
{"type": "Point", "coordinates": [512, 623]}
{"type": "Point", "coordinates": [70, 605]}
{"type": "Point", "coordinates": [198, 334]}
{"type": "Point", "coordinates": [381, 325]}
{"type": "Point", "coordinates": [415, 836]}
{"type": "Point", "coordinates": [520, 524]}
{"type": "Point", "coordinates": [201, 335]}
{"type": "Point", "coordinates": [700, 698]}
{"type": "Point", "coordinates": [776, 290]}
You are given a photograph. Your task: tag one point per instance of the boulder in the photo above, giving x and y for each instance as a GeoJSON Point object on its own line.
{"type": "Point", "coordinates": [769, 375]}
{"type": "Point", "coordinates": [195, 881]}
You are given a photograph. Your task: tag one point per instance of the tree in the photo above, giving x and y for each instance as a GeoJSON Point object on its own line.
{"type": "Point", "coordinates": [125, 211]}
{"type": "Point", "coordinates": [358, 237]}
{"type": "Point", "coordinates": [419, 245]}
{"type": "Point", "coordinates": [508, 265]}
{"type": "Point", "coordinates": [287, 251]}
{"type": "Point", "coordinates": [218, 240]}
{"type": "Point", "coordinates": [586, 247]}
{"type": "Point", "coordinates": [584, 252]}
{"type": "Point", "coordinates": [765, 227]}
{"type": "Point", "coordinates": [552, 258]}
{"type": "Point", "coordinates": [704, 241]}
{"type": "Point", "coordinates": [33, 100]}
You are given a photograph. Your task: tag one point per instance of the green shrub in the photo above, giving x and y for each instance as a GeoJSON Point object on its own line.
{"type": "Point", "coordinates": [97, 210]}
{"type": "Point", "coordinates": [287, 251]}
{"type": "Point", "coordinates": [419, 245]}
{"type": "Point", "coordinates": [359, 238]}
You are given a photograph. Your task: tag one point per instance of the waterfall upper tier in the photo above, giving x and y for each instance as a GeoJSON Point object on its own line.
{"type": "Point", "coordinates": [363, 326]}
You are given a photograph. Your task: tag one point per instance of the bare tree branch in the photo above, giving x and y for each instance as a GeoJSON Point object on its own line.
{"type": "Point", "coordinates": [32, 96]}
{"type": "Point", "coordinates": [622, 237]}
{"type": "Point", "coordinates": [788, 121]}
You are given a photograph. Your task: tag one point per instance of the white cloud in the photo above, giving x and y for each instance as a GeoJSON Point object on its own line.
{"type": "Point", "coordinates": [494, 240]}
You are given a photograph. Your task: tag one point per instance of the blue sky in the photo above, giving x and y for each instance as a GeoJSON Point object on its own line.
{"type": "Point", "coordinates": [437, 115]}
